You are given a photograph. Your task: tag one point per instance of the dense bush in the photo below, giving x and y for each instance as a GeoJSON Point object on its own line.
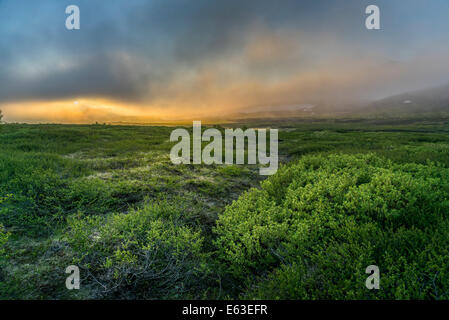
{"type": "Point", "coordinates": [4, 236]}
{"type": "Point", "coordinates": [40, 190]}
{"type": "Point", "coordinates": [314, 227]}
{"type": "Point", "coordinates": [148, 253]}
{"type": "Point", "coordinates": [3, 239]}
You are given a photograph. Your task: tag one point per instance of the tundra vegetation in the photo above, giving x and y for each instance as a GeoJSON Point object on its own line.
{"type": "Point", "coordinates": [349, 193]}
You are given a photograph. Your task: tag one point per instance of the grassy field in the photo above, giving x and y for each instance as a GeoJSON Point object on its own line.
{"type": "Point", "coordinates": [108, 199]}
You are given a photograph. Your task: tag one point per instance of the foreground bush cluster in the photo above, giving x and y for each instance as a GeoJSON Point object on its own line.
{"type": "Point", "coordinates": [149, 253]}
{"type": "Point", "coordinates": [313, 228]}
{"type": "Point", "coordinates": [308, 233]}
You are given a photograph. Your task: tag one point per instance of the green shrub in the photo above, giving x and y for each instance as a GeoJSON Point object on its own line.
{"type": "Point", "coordinates": [232, 170]}
{"type": "Point", "coordinates": [36, 200]}
{"type": "Point", "coordinates": [150, 253]}
{"type": "Point", "coordinates": [315, 226]}
{"type": "Point", "coordinates": [4, 236]}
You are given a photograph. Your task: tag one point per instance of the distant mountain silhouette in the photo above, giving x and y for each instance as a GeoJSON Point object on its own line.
{"type": "Point", "coordinates": [421, 101]}
{"type": "Point", "coordinates": [426, 100]}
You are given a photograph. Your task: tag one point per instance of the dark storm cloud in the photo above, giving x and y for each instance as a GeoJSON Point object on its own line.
{"type": "Point", "coordinates": [98, 76]}
{"type": "Point", "coordinates": [134, 50]}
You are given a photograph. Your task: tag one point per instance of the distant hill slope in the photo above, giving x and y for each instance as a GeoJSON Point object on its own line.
{"type": "Point", "coordinates": [433, 100]}
{"type": "Point", "coordinates": [427, 100]}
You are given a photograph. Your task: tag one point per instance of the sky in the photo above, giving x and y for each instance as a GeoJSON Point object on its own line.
{"type": "Point", "coordinates": [146, 60]}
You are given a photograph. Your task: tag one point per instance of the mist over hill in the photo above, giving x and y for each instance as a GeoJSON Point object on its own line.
{"type": "Point", "coordinates": [425, 100]}
{"type": "Point", "coordinates": [428, 100]}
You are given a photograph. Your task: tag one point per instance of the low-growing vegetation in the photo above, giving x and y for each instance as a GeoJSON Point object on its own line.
{"type": "Point", "coordinates": [107, 198]}
{"type": "Point", "coordinates": [311, 230]}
